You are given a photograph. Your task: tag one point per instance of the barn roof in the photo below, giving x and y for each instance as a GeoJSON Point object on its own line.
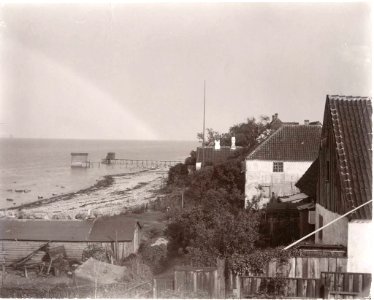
{"type": "Point", "coordinates": [352, 127]}
{"type": "Point", "coordinates": [290, 143]}
{"type": "Point", "coordinates": [104, 229]}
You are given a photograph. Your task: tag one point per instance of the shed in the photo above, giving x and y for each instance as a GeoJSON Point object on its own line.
{"type": "Point", "coordinates": [79, 159]}
{"type": "Point", "coordinates": [19, 237]}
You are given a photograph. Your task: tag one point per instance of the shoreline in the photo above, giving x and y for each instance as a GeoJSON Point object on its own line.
{"type": "Point", "coordinates": [111, 194]}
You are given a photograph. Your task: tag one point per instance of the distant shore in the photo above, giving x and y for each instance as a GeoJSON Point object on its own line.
{"type": "Point", "coordinates": [110, 195]}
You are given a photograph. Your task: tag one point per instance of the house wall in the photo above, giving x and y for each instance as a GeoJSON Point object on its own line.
{"type": "Point", "coordinates": [360, 246]}
{"type": "Point", "coordinates": [12, 251]}
{"type": "Point", "coordinates": [260, 172]}
{"type": "Point", "coordinates": [336, 233]}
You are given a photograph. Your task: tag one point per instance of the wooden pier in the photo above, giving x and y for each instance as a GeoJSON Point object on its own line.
{"type": "Point", "coordinates": [141, 162]}
{"type": "Point", "coordinates": [81, 160]}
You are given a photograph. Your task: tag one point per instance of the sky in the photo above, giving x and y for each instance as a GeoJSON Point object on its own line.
{"type": "Point", "coordinates": [137, 70]}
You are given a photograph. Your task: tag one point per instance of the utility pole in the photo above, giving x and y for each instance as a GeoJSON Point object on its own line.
{"type": "Point", "coordinates": [203, 160]}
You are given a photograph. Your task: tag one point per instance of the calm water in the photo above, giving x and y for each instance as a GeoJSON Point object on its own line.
{"type": "Point", "coordinates": [43, 165]}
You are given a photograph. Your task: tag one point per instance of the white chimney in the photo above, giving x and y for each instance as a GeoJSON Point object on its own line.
{"type": "Point", "coordinates": [233, 147]}
{"type": "Point", "coordinates": [306, 122]}
{"type": "Point", "coordinates": [217, 145]}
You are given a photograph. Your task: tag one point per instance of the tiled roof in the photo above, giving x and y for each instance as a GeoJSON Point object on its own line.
{"type": "Point", "coordinates": [213, 156]}
{"type": "Point", "coordinates": [308, 182]}
{"type": "Point", "coordinates": [352, 127]}
{"type": "Point", "coordinates": [290, 143]}
{"type": "Point", "coordinates": [101, 230]}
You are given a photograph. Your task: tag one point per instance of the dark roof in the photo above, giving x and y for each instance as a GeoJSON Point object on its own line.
{"type": "Point", "coordinates": [352, 127]}
{"type": "Point", "coordinates": [290, 143]}
{"type": "Point", "coordinates": [212, 155]}
{"type": "Point", "coordinates": [101, 230]}
{"type": "Point", "coordinates": [308, 182]}
{"type": "Point", "coordinates": [112, 228]}
{"type": "Point", "coordinates": [44, 230]}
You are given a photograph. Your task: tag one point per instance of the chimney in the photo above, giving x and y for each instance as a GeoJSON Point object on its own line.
{"type": "Point", "coordinates": [275, 116]}
{"type": "Point", "coordinates": [306, 122]}
{"type": "Point", "coordinates": [217, 145]}
{"type": "Point", "coordinates": [233, 146]}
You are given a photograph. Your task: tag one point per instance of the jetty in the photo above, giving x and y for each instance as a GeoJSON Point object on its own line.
{"type": "Point", "coordinates": [81, 160]}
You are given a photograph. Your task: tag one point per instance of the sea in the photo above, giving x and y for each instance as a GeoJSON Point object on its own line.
{"type": "Point", "coordinates": [41, 167]}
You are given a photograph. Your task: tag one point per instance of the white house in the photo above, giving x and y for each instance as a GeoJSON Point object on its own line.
{"type": "Point", "coordinates": [278, 162]}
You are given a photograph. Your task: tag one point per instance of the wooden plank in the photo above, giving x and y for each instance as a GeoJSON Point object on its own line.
{"type": "Point", "coordinates": [356, 283]}
{"type": "Point", "coordinates": [258, 284]}
{"type": "Point", "coordinates": [310, 288]}
{"type": "Point", "coordinates": [366, 283]}
{"type": "Point", "coordinates": [332, 264]}
{"type": "Point", "coordinates": [292, 288]}
{"type": "Point", "coordinates": [180, 280]}
{"type": "Point", "coordinates": [341, 264]}
{"type": "Point", "coordinates": [254, 286]}
{"type": "Point", "coordinates": [246, 287]}
{"type": "Point", "coordinates": [360, 281]}
{"type": "Point", "coordinates": [299, 289]}
{"type": "Point", "coordinates": [339, 282]}
{"type": "Point", "coordinates": [304, 287]}
{"type": "Point", "coordinates": [313, 267]}
{"type": "Point", "coordinates": [272, 268]}
{"type": "Point", "coordinates": [346, 283]}
{"type": "Point", "coordinates": [350, 282]}
{"type": "Point", "coordinates": [292, 265]}
{"type": "Point", "coordinates": [299, 268]}
{"type": "Point", "coordinates": [323, 265]}
{"type": "Point", "coordinates": [305, 267]}
{"type": "Point", "coordinates": [318, 293]}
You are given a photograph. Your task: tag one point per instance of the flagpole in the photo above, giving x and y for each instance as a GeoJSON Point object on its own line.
{"type": "Point", "coordinates": [203, 160]}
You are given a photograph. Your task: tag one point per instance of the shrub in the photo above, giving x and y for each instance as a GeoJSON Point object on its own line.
{"type": "Point", "coordinates": [154, 256]}
{"type": "Point", "coordinates": [97, 252]}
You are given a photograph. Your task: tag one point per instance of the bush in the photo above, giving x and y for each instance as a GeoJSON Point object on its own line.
{"type": "Point", "coordinates": [97, 252]}
{"type": "Point", "coordinates": [154, 256]}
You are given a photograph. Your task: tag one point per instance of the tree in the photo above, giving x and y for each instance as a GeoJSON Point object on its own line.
{"type": "Point", "coordinates": [206, 233]}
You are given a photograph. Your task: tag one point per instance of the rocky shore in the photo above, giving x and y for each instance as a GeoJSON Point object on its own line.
{"type": "Point", "coordinates": [113, 194]}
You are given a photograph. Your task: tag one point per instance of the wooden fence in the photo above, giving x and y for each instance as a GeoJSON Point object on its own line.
{"type": "Point", "coordinates": [297, 267]}
{"type": "Point", "coordinates": [276, 286]}
{"type": "Point", "coordinates": [202, 282]}
{"type": "Point", "coordinates": [341, 285]}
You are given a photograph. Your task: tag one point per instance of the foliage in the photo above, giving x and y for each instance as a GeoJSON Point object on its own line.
{"type": "Point", "coordinates": [137, 267]}
{"type": "Point", "coordinates": [208, 231]}
{"type": "Point", "coordinates": [97, 252]}
{"type": "Point", "coordinates": [274, 286]}
{"type": "Point", "coordinates": [154, 256]}
{"type": "Point", "coordinates": [254, 263]}
{"type": "Point", "coordinates": [191, 160]}
{"type": "Point", "coordinates": [177, 175]}
{"type": "Point", "coordinates": [246, 133]}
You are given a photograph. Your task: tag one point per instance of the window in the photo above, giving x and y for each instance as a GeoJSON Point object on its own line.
{"type": "Point", "coordinates": [278, 166]}
{"type": "Point", "coordinates": [320, 224]}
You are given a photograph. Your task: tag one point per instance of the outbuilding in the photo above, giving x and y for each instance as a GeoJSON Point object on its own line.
{"type": "Point", "coordinates": [118, 234]}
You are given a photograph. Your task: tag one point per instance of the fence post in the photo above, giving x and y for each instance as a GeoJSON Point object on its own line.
{"type": "Point", "coordinates": [221, 290]}
{"type": "Point", "coordinates": [154, 288]}
{"type": "Point", "coordinates": [238, 286]}
{"type": "Point", "coordinates": [195, 281]}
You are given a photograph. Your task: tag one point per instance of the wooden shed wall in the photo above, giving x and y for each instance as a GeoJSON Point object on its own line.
{"type": "Point", "coordinates": [12, 251]}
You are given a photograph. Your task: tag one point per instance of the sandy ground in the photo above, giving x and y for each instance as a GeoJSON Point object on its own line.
{"type": "Point", "coordinates": [112, 195]}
